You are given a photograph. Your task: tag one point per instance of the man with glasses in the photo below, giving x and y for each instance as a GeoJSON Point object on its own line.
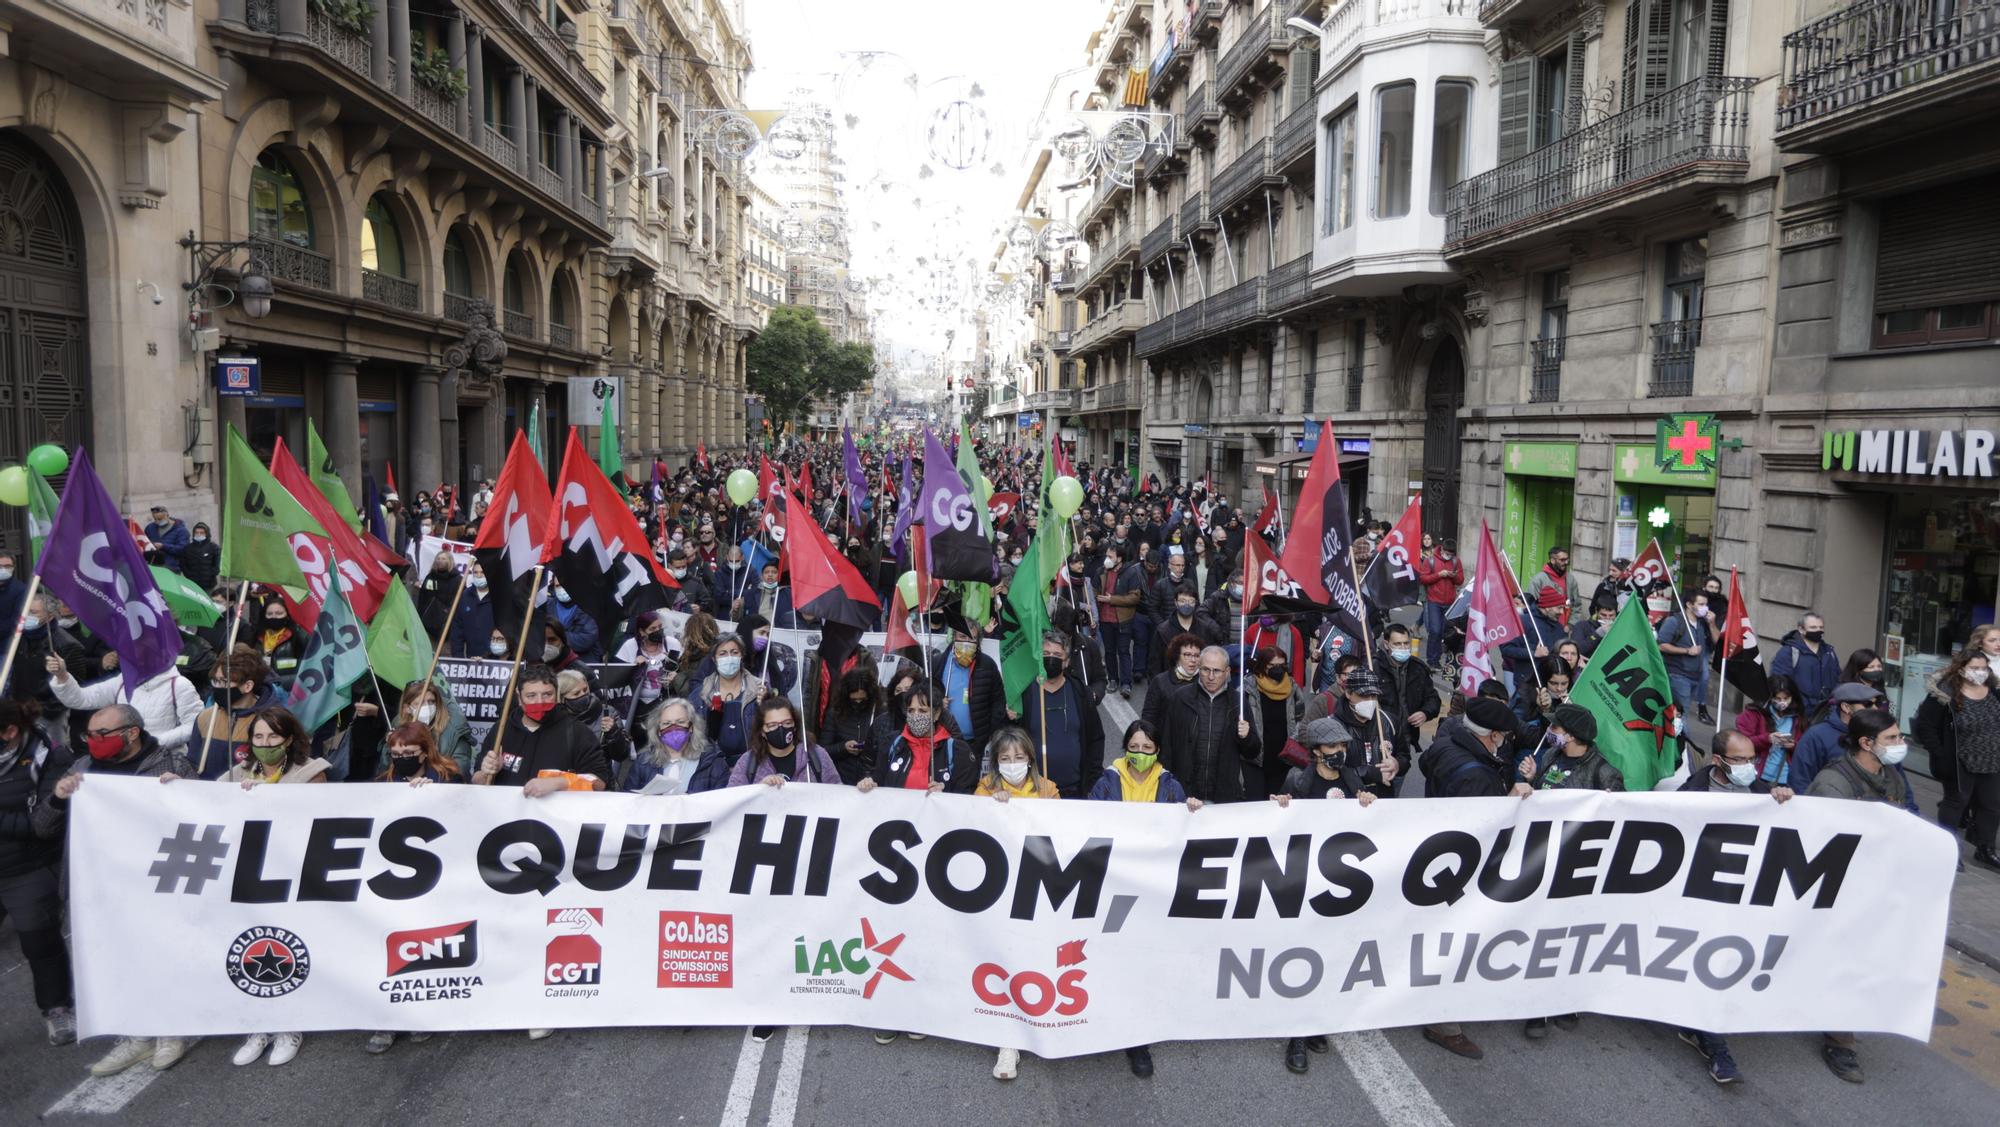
{"type": "Point", "coordinates": [1208, 737]}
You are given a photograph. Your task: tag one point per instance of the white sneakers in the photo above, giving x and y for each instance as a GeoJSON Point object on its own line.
{"type": "Point", "coordinates": [538, 1034]}
{"type": "Point", "coordinates": [167, 1050]}
{"type": "Point", "coordinates": [283, 1046]}
{"type": "Point", "coordinates": [127, 1052]}
{"type": "Point", "coordinates": [1008, 1065]}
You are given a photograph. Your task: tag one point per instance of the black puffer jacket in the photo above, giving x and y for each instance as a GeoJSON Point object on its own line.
{"type": "Point", "coordinates": [1407, 687]}
{"type": "Point", "coordinates": [1464, 768]}
{"type": "Point", "coordinates": [27, 783]}
{"type": "Point", "coordinates": [843, 727]}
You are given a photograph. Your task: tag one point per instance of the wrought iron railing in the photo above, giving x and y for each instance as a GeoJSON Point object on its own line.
{"type": "Point", "coordinates": [390, 290]}
{"type": "Point", "coordinates": [1205, 18]}
{"type": "Point", "coordinates": [1703, 121]}
{"type": "Point", "coordinates": [458, 306]}
{"type": "Point", "coordinates": [1289, 284]}
{"type": "Point", "coordinates": [1239, 304]}
{"type": "Point", "coordinates": [518, 324]}
{"type": "Point", "coordinates": [1875, 48]}
{"type": "Point", "coordinates": [1244, 174]}
{"type": "Point", "coordinates": [434, 104]}
{"type": "Point", "coordinates": [1295, 134]}
{"type": "Point", "coordinates": [561, 336]}
{"type": "Point", "coordinates": [1354, 382]}
{"type": "Point", "coordinates": [1257, 37]}
{"type": "Point", "coordinates": [1200, 108]}
{"type": "Point", "coordinates": [295, 264]}
{"type": "Point", "coordinates": [501, 147]}
{"type": "Point", "coordinates": [1545, 369]}
{"type": "Point", "coordinates": [351, 49]}
{"type": "Point", "coordinates": [1158, 239]}
{"type": "Point", "coordinates": [1194, 213]}
{"type": "Point", "coordinates": [1674, 343]}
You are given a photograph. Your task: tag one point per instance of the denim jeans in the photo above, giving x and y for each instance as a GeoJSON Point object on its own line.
{"type": "Point", "coordinates": [1687, 693]}
{"type": "Point", "coordinates": [1434, 632]}
{"type": "Point", "coordinates": [1141, 628]}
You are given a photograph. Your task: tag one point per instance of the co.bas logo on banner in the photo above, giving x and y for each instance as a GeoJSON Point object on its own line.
{"type": "Point", "coordinates": [415, 956]}
{"type": "Point", "coordinates": [855, 965]}
{"type": "Point", "coordinates": [1030, 996]}
{"type": "Point", "coordinates": [697, 949]}
{"type": "Point", "coordinates": [574, 961]}
{"type": "Point", "coordinates": [268, 962]}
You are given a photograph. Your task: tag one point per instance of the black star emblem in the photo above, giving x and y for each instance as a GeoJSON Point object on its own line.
{"type": "Point", "coordinates": [271, 965]}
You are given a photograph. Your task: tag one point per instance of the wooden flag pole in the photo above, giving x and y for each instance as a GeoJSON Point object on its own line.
{"type": "Point", "coordinates": [1534, 663]}
{"type": "Point", "coordinates": [228, 646]}
{"type": "Point", "coordinates": [514, 674]}
{"type": "Point", "coordinates": [14, 643]}
{"type": "Point", "coordinates": [1367, 643]}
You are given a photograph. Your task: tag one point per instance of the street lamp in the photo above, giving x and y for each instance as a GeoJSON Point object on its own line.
{"type": "Point", "coordinates": [1300, 23]}
{"type": "Point", "coordinates": [253, 288]}
{"type": "Point", "coordinates": [207, 261]}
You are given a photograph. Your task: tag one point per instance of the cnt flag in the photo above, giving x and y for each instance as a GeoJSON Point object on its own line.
{"type": "Point", "coordinates": [1625, 688]}
{"type": "Point", "coordinates": [509, 548]}
{"type": "Point", "coordinates": [953, 522]}
{"type": "Point", "coordinates": [92, 564]}
{"type": "Point", "coordinates": [1391, 580]}
{"type": "Point", "coordinates": [336, 656]}
{"type": "Point", "coordinates": [598, 549]}
{"type": "Point", "coordinates": [1490, 619]}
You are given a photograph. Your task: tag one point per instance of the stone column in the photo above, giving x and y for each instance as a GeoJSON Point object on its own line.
{"type": "Point", "coordinates": [378, 42]}
{"type": "Point", "coordinates": [565, 169]}
{"type": "Point", "coordinates": [292, 18]}
{"type": "Point", "coordinates": [449, 469]}
{"type": "Point", "coordinates": [517, 108]}
{"type": "Point", "coordinates": [455, 46]}
{"type": "Point", "coordinates": [399, 46]}
{"type": "Point", "coordinates": [424, 426]}
{"type": "Point", "coordinates": [343, 419]}
{"type": "Point", "coordinates": [234, 12]}
{"type": "Point", "coordinates": [531, 122]}
{"type": "Point", "coordinates": [603, 182]}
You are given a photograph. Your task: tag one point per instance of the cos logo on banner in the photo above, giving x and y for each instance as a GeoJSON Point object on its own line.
{"type": "Point", "coordinates": [574, 961]}
{"type": "Point", "coordinates": [415, 957]}
{"type": "Point", "coordinates": [1030, 995]}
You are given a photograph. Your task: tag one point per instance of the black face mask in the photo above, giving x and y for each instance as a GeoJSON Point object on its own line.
{"type": "Point", "coordinates": [405, 766]}
{"type": "Point", "coordinates": [1052, 667]}
{"type": "Point", "coordinates": [780, 738]}
{"type": "Point", "coordinates": [580, 707]}
{"type": "Point", "coordinates": [1815, 636]}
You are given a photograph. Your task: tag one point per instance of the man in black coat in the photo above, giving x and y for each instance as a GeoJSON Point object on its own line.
{"type": "Point", "coordinates": [1409, 691]}
{"type": "Point", "coordinates": [1208, 736]}
{"type": "Point", "coordinates": [1376, 749]}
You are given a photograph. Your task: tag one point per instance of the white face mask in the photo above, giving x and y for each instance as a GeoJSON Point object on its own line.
{"type": "Point", "coordinates": [1742, 774]}
{"type": "Point", "coordinates": [1014, 773]}
{"type": "Point", "coordinates": [551, 651]}
{"type": "Point", "coordinates": [729, 666]}
{"type": "Point", "coordinates": [1978, 676]}
{"type": "Point", "coordinates": [426, 712]}
{"type": "Point", "coordinates": [478, 582]}
{"type": "Point", "coordinates": [497, 649]}
{"type": "Point", "coordinates": [1891, 754]}
{"type": "Point", "coordinates": [1365, 709]}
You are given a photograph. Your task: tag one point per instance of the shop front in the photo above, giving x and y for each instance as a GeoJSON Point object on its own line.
{"type": "Point", "coordinates": [1539, 503]}
{"type": "Point", "coordinates": [1676, 507]}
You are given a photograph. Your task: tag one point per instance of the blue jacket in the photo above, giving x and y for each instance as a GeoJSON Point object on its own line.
{"type": "Point", "coordinates": [473, 628]}
{"type": "Point", "coordinates": [579, 628]}
{"type": "Point", "coordinates": [1537, 629]}
{"type": "Point", "coordinates": [1109, 788]}
{"type": "Point", "coordinates": [1816, 675]}
{"type": "Point", "coordinates": [711, 772]}
{"type": "Point", "coordinates": [172, 538]}
{"type": "Point", "coordinates": [1821, 746]}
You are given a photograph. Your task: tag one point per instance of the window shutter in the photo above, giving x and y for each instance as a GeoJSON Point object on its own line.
{"type": "Point", "coordinates": [1517, 106]}
{"type": "Point", "coordinates": [1649, 38]}
{"type": "Point", "coordinates": [1304, 71]}
{"type": "Point", "coordinates": [1573, 95]}
{"type": "Point", "coordinates": [1938, 247]}
{"type": "Point", "coordinates": [1718, 38]}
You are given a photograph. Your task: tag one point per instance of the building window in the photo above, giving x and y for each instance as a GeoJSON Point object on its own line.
{"type": "Point", "coordinates": [1357, 349]}
{"type": "Point", "coordinates": [457, 265]}
{"type": "Point", "coordinates": [1934, 278]}
{"type": "Point", "coordinates": [1940, 324]}
{"type": "Point", "coordinates": [1340, 172]}
{"type": "Point", "coordinates": [1545, 372]}
{"type": "Point", "coordinates": [1552, 122]}
{"type": "Point", "coordinates": [1311, 370]}
{"type": "Point", "coordinates": [1678, 332]}
{"type": "Point", "coordinates": [1449, 139]}
{"type": "Point", "coordinates": [381, 242]}
{"type": "Point", "coordinates": [1395, 138]}
{"type": "Point", "coordinates": [278, 208]}
{"type": "Point", "coordinates": [513, 288]}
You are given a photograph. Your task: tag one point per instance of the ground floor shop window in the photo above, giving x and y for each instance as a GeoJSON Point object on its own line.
{"type": "Point", "coordinates": [1942, 567]}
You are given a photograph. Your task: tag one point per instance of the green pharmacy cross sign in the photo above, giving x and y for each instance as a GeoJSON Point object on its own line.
{"type": "Point", "coordinates": [1687, 444]}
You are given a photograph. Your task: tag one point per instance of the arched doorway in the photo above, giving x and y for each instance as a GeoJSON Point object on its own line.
{"type": "Point", "coordinates": [44, 362]}
{"type": "Point", "coordinates": [1444, 394]}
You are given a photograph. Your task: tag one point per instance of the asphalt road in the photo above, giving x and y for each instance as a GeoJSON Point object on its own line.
{"type": "Point", "coordinates": [1607, 1070]}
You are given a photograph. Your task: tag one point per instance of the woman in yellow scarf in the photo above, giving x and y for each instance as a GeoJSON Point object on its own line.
{"type": "Point", "coordinates": [1015, 773]}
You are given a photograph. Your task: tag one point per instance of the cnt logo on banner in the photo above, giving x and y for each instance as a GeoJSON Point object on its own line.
{"type": "Point", "coordinates": [1040, 925]}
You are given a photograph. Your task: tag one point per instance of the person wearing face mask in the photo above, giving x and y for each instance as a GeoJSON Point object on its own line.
{"type": "Point", "coordinates": [1822, 744]}
{"type": "Point", "coordinates": [1959, 725]}
{"type": "Point", "coordinates": [424, 705]}
{"type": "Point", "coordinates": [1163, 588]}
{"type": "Point", "coordinates": [169, 536]}
{"type": "Point", "coordinates": [1074, 591]}
{"type": "Point", "coordinates": [557, 654]}
{"type": "Point", "coordinates": [1210, 739]}
{"type": "Point", "coordinates": [731, 582]}
{"type": "Point", "coordinates": [857, 726]}
{"type": "Point", "coordinates": [577, 693]}
{"type": "Point", "coordinates": [1278, 703]}
{"type": "Point", "coordinates": [1809, 660]}
{"type": "Point", "coordinates": [1568, 760]}
{"type": "Point", "coordinates": [472, 628]}
{"type": "Point", "coordinates": [13, 591]}
{"type": "Point", "coordinates": [695, 593]}
{"type": "Point", "coordinates": [1864, 666]}
{"type": "Point", "coordinates": [1441, 574]}
{"type": "Point", "coordinates": [1683, 639]}
{"type": "Point", "coordinates": [727, 697]}
{"type": "Point", "coordinates": [1182, 662]}
{"type": "Point", "coordinates": [541, 748]}
{"type": "Point", "coordinates": [201, 562]}
{"type": "Point", "coordinates": [1185, 615]}
{"type": "Point", "coordinates": [1016, 774]}
{"type": "Point", "coordinates": [31, 849]}
{"type": "Point", "coordinates": [1375, 747]}
{"type": "Point", "coordinates": [280, 752]}
{"type": "Point", "coordinates": [1538, 700]}
{"type": "Point", "coordinates": [281, 641]}
{"type": "Point", "coordinates": [1121, 590]}
{"type": "Point", "coordinates": [923, 755]}
{"type": "Point", "coordinates": [1065, 725]}
{"type": "Point", "coordinates": [975, 695]}
{"type": "Point", "coordinates": [777, 752]}
{"type": "Point", "coordinates": [166, 700]}
{"type": "Point", "coordinates": [775, 665]}
{"type": "Point", "coordinates": [240, 685]}
{"type": "Point", "coordinates": [1774, 727]}
{"type": "Point", "coordinates": [579, 629]}
{"type": "Point", "coordinates": [673, 755]}
{"type": "Point", "coordinates": [1409, 689]}
{"type": "Point", "coordinates": [1586, 632]}
{"type": "Point", "coordinates": [118, 744]}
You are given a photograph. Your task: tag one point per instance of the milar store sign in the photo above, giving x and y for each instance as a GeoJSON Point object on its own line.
{"type": "Point", "coordinates": [1918, 453]}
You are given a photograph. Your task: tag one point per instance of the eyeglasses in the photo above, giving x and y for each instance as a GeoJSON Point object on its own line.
{"type": "Point", "coordinates": [99, 733]}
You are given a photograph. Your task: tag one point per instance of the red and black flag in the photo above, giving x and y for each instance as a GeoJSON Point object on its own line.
{"type": "Point", "coordinates": [773, 492]}
{"type": "Point", "coordinates": [1267, 517]}
{"type": "Point", "coordinates": [824, 584]}
{"type": "Point", "coordinates": [597, 547]}
{"type": "Point", "coordinates": [1391, 580]}
{"type": "Point", "coordinates": [1316, 563]}
{"type": "Point", "coordinates": [509, 545]}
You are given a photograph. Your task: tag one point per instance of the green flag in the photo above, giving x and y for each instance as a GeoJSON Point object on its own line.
{"type": "Point", "coordinates": [320, 464]}
{"type": "Point", "coordinates": [259, 518]}
{"type": "Point", "coordinates": [398, 645]}
{"type": "Point", "coordinates": [41, 512]}
{"type": "Point", "coordinates": [608, 458]}
{"type": "Point", "coordinates": [1626, 690]}
{"type": "Point", "coordinates": [335, 658]}
{"type": "Point", "coordinates": [535, 432]}
{"type": "Point", "coordinates": [1028, 602]}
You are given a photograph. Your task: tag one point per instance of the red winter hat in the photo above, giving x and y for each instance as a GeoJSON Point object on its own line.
{"type": "Point", "coordinates": [1550, 597]}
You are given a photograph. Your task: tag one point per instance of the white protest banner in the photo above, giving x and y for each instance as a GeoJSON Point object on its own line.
{"type": "Point", "coordinates": [1031, 924]}
{"type": "Point", "coordinates": [429, 546]}
{"type": "Point", "coordinates": [479, 685]}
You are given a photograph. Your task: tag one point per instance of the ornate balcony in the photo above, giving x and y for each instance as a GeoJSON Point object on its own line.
{"type": "Point", "coordinates": [1691, 137]}
{"type": "Point", "coordinates": [1292, 151]}
{"type": "Point", "coordinates": [1674, 344]}
{"type": "Point", "coordinates": [1204, 19]}
{"type": "Point", "coordinates": [1201, 115]}
{"type": "Point", "coordinates": [517, 324]}
{"type": "Point", "coordinates": [1158, 241]}
{"type": "Point", "coordinates": [1289, 286]}
{"type": "Point", "coordinates": [390, 290]}
{"type": "Point", "coordinates": [1249, 172]}
{"type": "Point", "coordinates": [1257, 56]}
{"type": "Point", "coordinates": [458, 307]}
{"type": "Point", "coordinates": [1885, 68]}
{"type": "Point", "coordinates": [294, 264]}
{"type": "Point", "coordinates": [561, 336]}
{"type": "Point", "coordinates": [1170, 66]}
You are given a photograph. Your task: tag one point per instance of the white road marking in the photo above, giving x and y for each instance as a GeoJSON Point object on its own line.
{"type": "Point", "coordinates": [743, 1085]}
{"type": "Point", "coordinates": [1399, 1097]}
{"type": "Point", "coordinates": [791, 1070]}
{"type": "Point", "coordinates": [1122, 714]}
{"type": "Point", "coordinates": [106, 1095]}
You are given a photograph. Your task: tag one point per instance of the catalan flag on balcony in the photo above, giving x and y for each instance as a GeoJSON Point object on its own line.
{"type": "Point", "coordinates": [1135, 87]}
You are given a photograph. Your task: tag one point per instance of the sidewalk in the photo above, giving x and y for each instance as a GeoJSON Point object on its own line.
{"type": "Point", "coordinates": [1973, 929]}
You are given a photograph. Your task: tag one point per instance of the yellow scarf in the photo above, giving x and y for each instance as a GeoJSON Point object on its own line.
{"type": "Point", "coordinates": [1134, 788]}
{"type": "Point", "coordinates": [1281, 689]}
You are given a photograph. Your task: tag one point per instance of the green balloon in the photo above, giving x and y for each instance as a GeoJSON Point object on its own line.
{"type": "Point", "coordinates": [14, 485]}
{"type": "Point", "coordinates": [48, 459]}
{"type": "Point", "coordinates": [1066, 494]}
{"type": "Point", "coordinates": [742, 486]}
{"type": "Point", "coordinates": [907, 584]}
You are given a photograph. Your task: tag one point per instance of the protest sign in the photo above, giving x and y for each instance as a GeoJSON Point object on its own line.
{"type": "Point", "coordinates": [1056, 927]}
{"type": "Point", "coordinates": [479, 685]}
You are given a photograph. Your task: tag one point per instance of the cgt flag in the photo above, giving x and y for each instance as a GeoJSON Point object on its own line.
{"type": "Point", "coordinates": [598, 549]}
{"type": "Point", "coordinates": [953, 536]}
{"type": "Point", "coordinates": [92, 563]}
{"type": "Point", "coordinates": [1625, 688]}
{"type": "Point", "coordinates": [1391, 580]}
{"type": "Point", "coordinates": [1490, 619]}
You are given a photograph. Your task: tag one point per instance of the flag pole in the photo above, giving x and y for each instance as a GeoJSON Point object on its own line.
{"type": "Point", "coordinates": [1521, 594]}
{"type": "Point", "coordinates": [228, 646]}
{"type": "Point", "coordinates": [1242, 631]}
{"type": "Point", "coordinates": [14, 643]}
{"type": "Point", "coordinates": [514, 674]}
{"type": "Point", "coordinates": [444, 634]}
{"type": "Point", "coordinates": [1367, 643]}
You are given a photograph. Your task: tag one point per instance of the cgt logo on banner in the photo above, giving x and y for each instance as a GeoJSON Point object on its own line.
{"type": "Point", "coordinates": [1721, 912]}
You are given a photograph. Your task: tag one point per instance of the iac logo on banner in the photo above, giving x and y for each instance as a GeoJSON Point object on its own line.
{"type": "Point", "coordinates": [697, 949]}
{"type": "Point", "coordinates": [855, 965]}
{"type": "Point", "coordinates": [1031, 996]}
{"type": "Point", "coordinates": [574, 962]}
{"type": "Point", "coordinates": [416, 954]}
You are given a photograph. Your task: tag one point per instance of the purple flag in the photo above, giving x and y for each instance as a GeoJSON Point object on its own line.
{"type": "Point", "coordinates": [957, 549]}
{"type": "Point", "coordinates": [93, 564]}
{"type": "Point", "coordinates": [906, 512]}
{"type": "Point", "coordinates": [850, 465]}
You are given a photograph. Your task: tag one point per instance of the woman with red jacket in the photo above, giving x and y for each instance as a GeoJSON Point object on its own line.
{"type": "Point", "coordinates": [1441, 573]}
{"type": "Point", "coordinates": [1775, 725]}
